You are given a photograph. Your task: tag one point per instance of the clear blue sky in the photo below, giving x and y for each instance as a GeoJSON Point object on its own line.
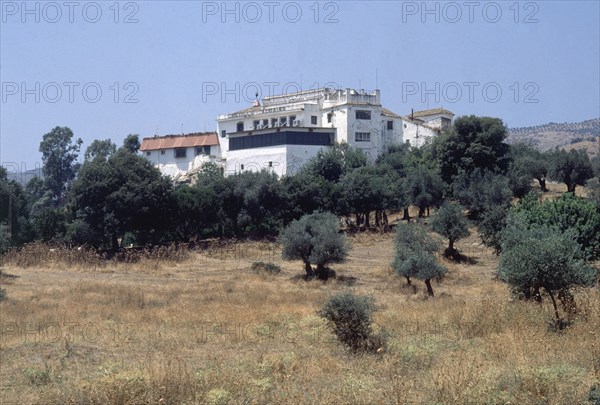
{"type": "Point", "coordinates": [182, 63]}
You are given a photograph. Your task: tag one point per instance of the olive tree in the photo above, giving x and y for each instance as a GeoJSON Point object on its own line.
{"type": "Point", "coordinates": [315, 239]}
{"type": "Point", "coordinates": [450, 222]}
{"type": "Point", "coordinates": [542, 258]}
{"type": "Point", "coordinates": [414, 255]}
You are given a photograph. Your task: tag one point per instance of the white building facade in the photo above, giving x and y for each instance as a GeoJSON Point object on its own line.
{"type": "Point", "coordinates": [283, 132]}
{"type": "Point", "coordinates": [176, 155]}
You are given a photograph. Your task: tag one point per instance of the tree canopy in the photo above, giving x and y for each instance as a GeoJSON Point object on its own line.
{"type": "Point", "coordinates": [314, 239]}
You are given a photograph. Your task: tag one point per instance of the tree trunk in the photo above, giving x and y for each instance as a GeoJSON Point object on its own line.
{"type": "Point", "coordinates": [115, 242]}
{"type": "Point", "coordinates": [571, 188]}
{"type": "Point", "coordinates": [407, 280]}
{"type": "Point", "coordinates": [385, 219]}
{"type": "Point", "coordinates": [536, 295]}
{"type": "Point", "coordinates": [309, 270]}
{"type": "Point", "coordinates": [555, 307]}
{"type": "Point", "coordinates": [367, 220]}
{"type": "Point", "coordinates": [429, 289]}
{"type": "Point", "coordinates": [322, 272]}
{"type": "Point", "coordinates": [406, 214]}
{"type": "Point", "coordinates": [542, 182]}
{"type": "Point", "coordinates": [450, 245]}
{"type": "Point", "coordinates": [421, 212]}
{"type": "Point", "coordinates": [427, 212]}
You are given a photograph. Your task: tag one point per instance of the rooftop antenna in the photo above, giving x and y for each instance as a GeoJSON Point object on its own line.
{"type": "Point", "coordinates": [156, 133]}
{"type": "Point", "coordinates": [182, 128]}
{"type": "Point", "coordinates": [376, 79]}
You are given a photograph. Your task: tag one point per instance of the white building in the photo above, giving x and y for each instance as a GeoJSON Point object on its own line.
{"type": "Point", "coordinates": [175, 155]}
{"type": "Point", "coordinates": [283, 132]}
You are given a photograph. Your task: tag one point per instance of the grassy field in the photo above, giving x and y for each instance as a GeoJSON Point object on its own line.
{"type": "Point", "coordinates": [209, 330]}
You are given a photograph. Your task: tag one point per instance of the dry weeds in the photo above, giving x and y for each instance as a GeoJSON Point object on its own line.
{"type": "Point", "coordinates": [208, 329]}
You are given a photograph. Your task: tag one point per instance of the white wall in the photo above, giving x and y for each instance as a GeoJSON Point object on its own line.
{"type": "Point", "coordinates": [286, 159]}
{"type": "Point", "coordinates": [417, 135]}
{"type": "Point", "coordinates": [169, 165]}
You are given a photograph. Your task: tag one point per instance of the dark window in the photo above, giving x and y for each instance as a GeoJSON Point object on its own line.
{"type": "Point", "coordinates": [292, 119]}
{"type": "Point", "coordinates": [281, 138]}
{"type": "Point", "coordinates": [273, 122]}
{"type": "Point", "coordinates": [270, 164]}
{"type": "Point", "coordinates": [180, 152]}
{"type": "Point", "coordinates": [223, 133]}
{"type": "Point", "coordinates": [240, 126]}
{"type": "Point", "coordinates": [390, 125]}
{"type": "Point", "coordinates": [265, 123]}
{"type": "Point", "coordinates": [148, 153]}
{"type": "Point", "coordinates": [363, 115]}
{"type": "Point", "coordinates": [405, 126]}
{"type": "Point", "coordinates": [162, 152]}
{"type": "Point", "coordinates": [256, 123]}
{"type": "Point", "coordinates": [329, 117]}
{"type": "Point", "coordinates": [362, 137]}
{"type": "Point", "coordinates": [241, 167]}
{"type": "Point", "coordinates": [202, 150]}
{"type": "Point", "coordinates": [283, 121]}
{"type": "Point", "coordinates": [313, 119]}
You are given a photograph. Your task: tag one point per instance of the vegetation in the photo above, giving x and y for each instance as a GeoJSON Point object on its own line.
{"type": "Point", "coordinates": [315, 239]}
{"type": "Point", "coordinates": [566, 213]}
{"type": "Point", "coordinates": [537, 258]}
{"type": "Point", "coordinates": [572, 168]}
{"type": "Point", "coordinates": [414, 255]}
{"type": "Point", "coordinates": [350, 318]}
{"type": "Point", "coordinates": [450, 222]}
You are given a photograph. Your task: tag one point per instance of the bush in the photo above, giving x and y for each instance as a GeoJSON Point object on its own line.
{"type": "Point", "coordinates": [594, 395]}
{"type": "Point", "coordinates": [350, 317]}
{"type": "Point", "coordinates": [269, 268]}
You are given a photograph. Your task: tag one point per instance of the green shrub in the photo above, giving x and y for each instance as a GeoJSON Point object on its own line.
{"type": "Point", "coordinates": [38, 377]}
{"type": "Point", "coordinates": [594, 395]}
{"type": "Point", "coordinates": [350, 318]}
{"type": "Point", "coordinates": [269, 268]}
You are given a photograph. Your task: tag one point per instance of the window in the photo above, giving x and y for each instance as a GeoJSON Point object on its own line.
{"type": "Point", "coordinates": [283, 137]}
{"type": "Point", "coordinates": [148, 153]}
{"type": "Point", "coordinates": [283, 121]}
{"type": "Point", "coordinates": [241, 167]}
{"type": "Point", "coordinates": [265, 123]}
{"type": "Point", "coordinates": [202, 150]}
{"type": "Point", "coordinates": [255, 124]}
{"type": "Point", "coordinates": [362, 136]}
{"type": "Point", "coordinates": [329, 116]}
{"type": "Point", "coordinates": [273, 122]}
{"type": "Point", "coordinates": [291, 119]}
{"type": "Point", "coordinates": [313, 119]}
{"type": "Point", "coordinates": [223, 133]}
{"type": "Point", "coordinates": [404, 126]}
{"type": "Point", "coordinates": [240, 126]}
{"type": "Point", "coordinates": [363, 115]}
{"type": "Point", "coordinates": [390, 125]}
{"type": "Point", "coordinates": [270, 164]}
{"type": "Point", "coordinates": [162, 152]}
{"type": "Point", "coordinates": [180, 152]}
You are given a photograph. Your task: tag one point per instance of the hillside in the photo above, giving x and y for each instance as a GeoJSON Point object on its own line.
{"type": "Point", "coordinates": [574, 135]}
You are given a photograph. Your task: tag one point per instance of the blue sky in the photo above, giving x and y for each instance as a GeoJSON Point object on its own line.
{"type": "Point", "coordinates": [106, 69]}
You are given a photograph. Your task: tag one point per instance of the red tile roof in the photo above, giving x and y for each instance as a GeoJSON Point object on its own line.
{"type": "Point", "coordinates": [179, 141]}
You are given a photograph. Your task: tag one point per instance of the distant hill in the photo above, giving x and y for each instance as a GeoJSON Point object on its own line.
{"type": "Point", "coordinates": [568, 135]}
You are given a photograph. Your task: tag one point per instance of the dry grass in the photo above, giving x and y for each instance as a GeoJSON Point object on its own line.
{"type": "Point", "coordinates": [208, 329]}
